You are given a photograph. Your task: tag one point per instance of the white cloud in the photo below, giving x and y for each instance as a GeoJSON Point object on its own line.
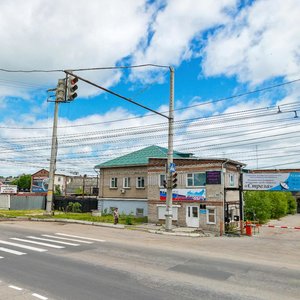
{"type": "Point", "coordinates": [261, 42]}
{"type": "Point", "coordinates": [41, 34]}
{"type": "Point", "coordinates": [176, 26]}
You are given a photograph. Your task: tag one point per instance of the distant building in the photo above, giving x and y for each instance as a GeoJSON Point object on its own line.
{"type": "Point", "coordinates": [66, 184]}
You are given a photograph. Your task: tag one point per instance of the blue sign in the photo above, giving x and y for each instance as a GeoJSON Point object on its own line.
{"type": "Point", "coordinates": [172, 167]}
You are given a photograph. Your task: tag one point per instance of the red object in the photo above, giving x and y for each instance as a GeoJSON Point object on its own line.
{"type": "Point", "coordinates": [248, 229]}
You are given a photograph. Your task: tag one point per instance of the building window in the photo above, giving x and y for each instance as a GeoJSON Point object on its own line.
{"type": "Point", "coordinates": [114, 182]}
{"type": "Point", "coordinates": [140, 182]}
{"type": "Point", "coordinates": [126, 182]}
{"type": "Point", "coordinates": [139, 212]}
{"type": "Point", "coordinates": [231, 179]}
{"type": "Point", "coordinates": [58, 179]}
{"type": "Point", "coordinates": [211, 215]}
{"type": "Point", "coordinates": [162, 178]}
{"type": "Point", "coordinates": [196, 179]}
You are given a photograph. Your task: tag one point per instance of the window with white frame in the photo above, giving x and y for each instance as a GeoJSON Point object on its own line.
{"type": "Point", "coordinates": [140, 182]}
{"type": "Point", "coordinates": [126, 182]}
{"type": "Point", "coordinates": [162, 178]}
{"type": "Point", "coordinates": [114, 182]}
{"type": "Point", "coordinates": [231, 180]}
{"type": "Point", "coordinates": [195, 179]}
{"type": "Point", "coordinates": [211, 215]}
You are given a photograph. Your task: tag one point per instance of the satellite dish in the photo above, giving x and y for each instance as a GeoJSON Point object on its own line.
{"type": "Point", "coordinates": [284, 185]}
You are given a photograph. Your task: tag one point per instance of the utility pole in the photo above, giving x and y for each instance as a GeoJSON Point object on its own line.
{"type": "Point", "coordinates": [169, 200]}
{"type": "Point", "coordinates": [70, 84]}
{"type": "Point", "coordinates": [60, 96]}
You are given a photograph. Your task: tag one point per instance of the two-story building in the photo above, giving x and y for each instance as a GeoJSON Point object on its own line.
{"type": "Point", "coordinates": [206, 196]}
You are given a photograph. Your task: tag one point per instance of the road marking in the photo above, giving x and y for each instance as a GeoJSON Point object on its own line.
{"type": "Point", "coordinates": [49, 240]}
{"type": "Point", "coordinates": [67, 239]}
{"type": "Point", "coordinates": [38, 243]}
{"type": "Point", "coordinates": [23, 246]}
{"type": "Point", "coordinates": [15, 288]}
{"type": "Point", "coordinates": [11, 251]}
{"type": "Point", "coordinates": [80, 237]}
{"type": "Point", "coordinates": [39, 296]}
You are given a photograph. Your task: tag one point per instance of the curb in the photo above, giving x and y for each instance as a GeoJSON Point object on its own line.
{"type": "Point", "coordinates": [119, 226]}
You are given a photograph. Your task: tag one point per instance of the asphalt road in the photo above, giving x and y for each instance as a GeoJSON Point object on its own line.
{"type": "Point", "coordinates": [104, 263]}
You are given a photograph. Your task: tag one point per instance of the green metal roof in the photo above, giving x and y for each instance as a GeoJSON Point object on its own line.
{"type": "Point", "coordinates": [141, 157]}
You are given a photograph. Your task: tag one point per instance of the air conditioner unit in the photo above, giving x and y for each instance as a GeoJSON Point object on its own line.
{"type": "Point", "coordinates": [122, 191]}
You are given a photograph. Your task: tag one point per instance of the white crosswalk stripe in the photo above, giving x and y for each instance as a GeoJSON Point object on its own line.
{"type": "Point", "coordinates": [54, 241]}
{"type": "Point", "coordinates": [66, 239]}
{"type": "Point", "coordinates": [79, 237]}
{"type": "Point", "coordinates": [38, 243]}
{"type": "Point", "coordinates": [3, 249]}
{"type": "Point", "coordinates": [23, 246]}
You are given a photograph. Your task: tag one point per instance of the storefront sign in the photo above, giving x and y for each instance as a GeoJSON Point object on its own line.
{"type": "Point", "coordinates": [184, 194]}
{"type": "Point", "coordinates": [289, 182]}
{"type": "Point", "coordinates": [213, 177]}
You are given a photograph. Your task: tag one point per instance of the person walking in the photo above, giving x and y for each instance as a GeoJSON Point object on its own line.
{"type": "Point", "coordinates": [116, 216]}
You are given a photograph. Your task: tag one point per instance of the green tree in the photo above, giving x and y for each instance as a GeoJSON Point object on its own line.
{"type": "Point", "coordinates": [57, 191]}
{"type": "Point", "coordinates": [257, 206]}
{"type": "Point", "coordinates": [279, 205]}
{"type": "Point", "coordinates": [23, 181]}
{"type": "Point", "coordinates": [292, 203]}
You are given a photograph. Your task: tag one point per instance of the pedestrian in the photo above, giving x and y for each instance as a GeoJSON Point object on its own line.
{"type": "Point", "coordinates": [116, 216]}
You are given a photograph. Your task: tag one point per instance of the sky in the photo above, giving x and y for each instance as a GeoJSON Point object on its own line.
{"type": "Point", "coordinates": [236, 88]}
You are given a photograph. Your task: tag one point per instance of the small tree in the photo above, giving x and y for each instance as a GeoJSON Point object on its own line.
{"type": "Point", "coordinates": [57, 190]}
{"type": "Point", "coordinates": [23, 182]}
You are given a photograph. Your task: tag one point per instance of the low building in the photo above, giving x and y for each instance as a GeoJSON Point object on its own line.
{"type": "Point", "coordinates": [207, 194]}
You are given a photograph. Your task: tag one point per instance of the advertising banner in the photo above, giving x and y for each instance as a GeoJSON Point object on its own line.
{"type": "Point", "coordinates": [39, 184]}
{"type": "Point", "coordinates": [289, 182]}
{"type": "Point", "coordinates": [8, 189]}
{"type": "Point", "coordinates": [184, 194]}
{"type": "Point", "coordinates": [213, 177]}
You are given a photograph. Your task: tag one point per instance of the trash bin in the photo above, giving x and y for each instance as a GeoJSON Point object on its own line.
{"type": "Point", "coordinates": [248, 228]}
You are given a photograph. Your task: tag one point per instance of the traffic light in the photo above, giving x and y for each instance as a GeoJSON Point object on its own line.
{"type": "Point", "coordinates": [165, 184]}
{"type": "Point", "coordinates": [61, 90]}
{"type": "Point", "coordinates": [72, 87]}
{"type": "Point", "coordinates": [174, 180]}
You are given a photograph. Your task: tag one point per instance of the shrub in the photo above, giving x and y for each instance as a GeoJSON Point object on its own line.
{"type": "Point", "coordinates": [74, 207]}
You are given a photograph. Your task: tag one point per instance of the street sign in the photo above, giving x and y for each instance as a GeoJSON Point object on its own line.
{"type": "Point", "coordinates": [172, 167]}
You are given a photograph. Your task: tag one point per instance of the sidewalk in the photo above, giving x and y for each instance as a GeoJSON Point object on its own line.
{"type": "Point", "coordinates": [152, 228]}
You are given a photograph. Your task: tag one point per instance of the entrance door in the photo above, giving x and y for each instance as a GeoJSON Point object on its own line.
{"type": "Point", "coordinates": [192, 216]}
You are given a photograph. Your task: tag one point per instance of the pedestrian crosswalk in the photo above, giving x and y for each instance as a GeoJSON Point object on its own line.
{"type": "Point", "coordinates": [42, 243]}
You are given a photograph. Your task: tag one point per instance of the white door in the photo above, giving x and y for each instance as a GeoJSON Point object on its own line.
{"type": "Point", "coordinates": [192, 216]}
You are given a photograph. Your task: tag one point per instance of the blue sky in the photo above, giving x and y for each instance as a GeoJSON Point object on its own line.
{"type": "Point", "coordinates": [218, 49]}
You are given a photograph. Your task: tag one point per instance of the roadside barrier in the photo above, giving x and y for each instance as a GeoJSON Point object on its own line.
{"type": "Point", "coordinates": [278, 226]}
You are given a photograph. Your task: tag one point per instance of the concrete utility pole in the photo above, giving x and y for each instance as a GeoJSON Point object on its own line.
{"type": "Point", "coordinates": [52, 161]}
{"type": "Point", "coordinates": [169, 210]}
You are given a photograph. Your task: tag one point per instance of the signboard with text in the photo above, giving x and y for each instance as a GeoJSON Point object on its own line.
{"type": "Point", "coordinates": [289, 182]}
{"type": "Point", "coordinates": [184, 194]}
{"type": "Point", "coordinates": [213, 177]}
{"type": "Point", "coordinates": [39, 184]}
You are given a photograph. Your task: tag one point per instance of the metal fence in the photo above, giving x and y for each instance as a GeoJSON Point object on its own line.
{"type": "Point", "coordinates": [87, 204]}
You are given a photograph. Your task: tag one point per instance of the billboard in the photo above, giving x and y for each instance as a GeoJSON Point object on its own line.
{"type": "Point", "coordinates": [184, 194]}
{"type": "Point", "coordinates": [213, 177]}
{"type": "Point", "coordinates": [289, 182]}
{"type": "Point", "coordinates": [39, 184]}
{"type": "Point", "coordinates": [8, 189]}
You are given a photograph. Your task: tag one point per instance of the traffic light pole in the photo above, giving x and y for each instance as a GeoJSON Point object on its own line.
{"type": "Point", "coordinates": [52, 162]}
{"type": "Point", "coordinates": [169, 201]}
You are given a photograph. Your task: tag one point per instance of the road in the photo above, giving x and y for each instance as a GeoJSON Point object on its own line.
{"type": "Point", "coordinates": [106, 263]}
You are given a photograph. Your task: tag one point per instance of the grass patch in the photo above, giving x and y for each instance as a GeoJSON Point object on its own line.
{"type": "Point", "coordinates": [128, 220]}
{"type": "Point", "coordinates": [20, 213]}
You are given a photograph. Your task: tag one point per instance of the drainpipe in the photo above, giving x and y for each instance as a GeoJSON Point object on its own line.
{"type": "Point", "coordinates": [222, 226]}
